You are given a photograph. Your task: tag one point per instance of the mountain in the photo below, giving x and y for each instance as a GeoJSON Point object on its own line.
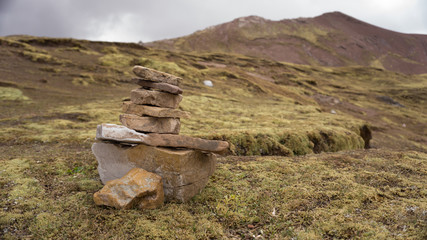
{"type": "Point", "coordinates": [332, 39]}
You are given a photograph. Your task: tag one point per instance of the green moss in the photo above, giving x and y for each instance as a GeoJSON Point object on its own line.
{"type": "Point", "coordinates": [377, 64]}
{"type": "Point", "coordinates": [115, 60]}
{"type": "Point", "coordinates": [13, 94]}
{"type": "Point", "coordinates": [110, 50]}
{"type": "Point", "coordinates": [41, 57]}
{"type": "Point", "coordinates": [50, 69]}
{"type": "Point", "coordinates": [80, 50]}
{"type": "Point", "coordinates": [22, 45]}
{"type": "Point", "coordinates": [85, 79]}
{"type": "Point", "coordinates": [45, 224]}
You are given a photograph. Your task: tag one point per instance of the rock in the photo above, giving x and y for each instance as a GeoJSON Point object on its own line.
{"type": "Point", "coordinates": [156, 98]}
{"type": "Point", "coordinates": [138, 188]}
{"type": "Point", "coordinates": [208, 83]}
{"type": "Point", "coordinates": [151, 124]}
{"type": "Point", "coordinates": [389, 100]}
{"type": "Point", "coordinates": [113, 132]}
{"type": "Point", "coordinates": [142, 110]}
{"type": "Point", "coordinates": [165, 87]}
{"type": "Point", "coordinates": [156, 76]}
{"type": "Point", "coordinates": [184, 172]}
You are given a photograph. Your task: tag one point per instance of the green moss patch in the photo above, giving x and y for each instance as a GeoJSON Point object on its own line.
{"type": "Point", "coordinates": [12, 94]}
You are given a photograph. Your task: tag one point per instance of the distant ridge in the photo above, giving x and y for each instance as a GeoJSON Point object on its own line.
{"type": "Point", "coordinates": [331, 39]}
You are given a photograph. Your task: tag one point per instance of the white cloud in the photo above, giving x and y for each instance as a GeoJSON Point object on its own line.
{"type": "Point", "coordinates": [132, 20]}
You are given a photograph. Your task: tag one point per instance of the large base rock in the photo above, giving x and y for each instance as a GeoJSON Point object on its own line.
{"type": "Point", "coordinates": [137, 188]}
{"type": "Point", "coordinates": [184, 172]}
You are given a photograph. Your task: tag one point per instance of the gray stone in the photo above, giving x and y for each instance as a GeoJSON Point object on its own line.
{"type": "Point", "coordinates": [184, 172]}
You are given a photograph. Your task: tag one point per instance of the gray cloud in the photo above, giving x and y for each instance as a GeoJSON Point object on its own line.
{"type": "Point", "coordinates": [132, 20]}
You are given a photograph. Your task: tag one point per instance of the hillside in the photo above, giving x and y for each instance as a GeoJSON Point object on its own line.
{"type": "Point", "coordinates": [332, 39]}
{"type": "Point", "coordinates": [297, 167]}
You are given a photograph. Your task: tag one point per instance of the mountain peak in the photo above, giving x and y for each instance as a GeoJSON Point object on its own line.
{"type": "Point", "coordinates": [334, 14]}
{"type": "Point", "coordinates": [243, 21]}
{"type": "Point", "coordinates": [331, 39]}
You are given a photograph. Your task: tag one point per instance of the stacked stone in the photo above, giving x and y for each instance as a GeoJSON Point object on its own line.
{"type": "Point", "coordinates": [153, 107]}
{"type": "Point", "coordinates": [149, 139]}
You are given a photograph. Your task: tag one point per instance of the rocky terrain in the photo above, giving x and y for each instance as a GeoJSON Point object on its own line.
{"type": "Point", "coordinates": [332, 150]}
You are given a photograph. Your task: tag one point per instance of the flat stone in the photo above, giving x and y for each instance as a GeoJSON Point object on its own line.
{"type": "Point", "coordinates": [156, 76]}
{"type": "Point", "coordinates": [144, 110]}
{"type": "Point", "coordinates": [137, 188]}
{"type": "Point", "coordinates": [113, 132]}
{"type": "Point", "coordinates": [151, 124]}
{"type": "Point", "coordinates": [184, 172]}
{"type": "Point", "coordinates": [165, 87]}
{"type": "Point", "coordinates": [156, 98]}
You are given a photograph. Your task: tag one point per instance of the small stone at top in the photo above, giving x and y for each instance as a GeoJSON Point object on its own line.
{"type": "Point", "coordinates": [156, 76]}
{"type": "Point", "coordinates": [164, 87]}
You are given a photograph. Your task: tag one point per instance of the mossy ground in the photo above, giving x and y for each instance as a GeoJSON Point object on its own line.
{"type": "Point", "coordinates": [366, 194]}
{"type": "Point", "coordinates": [50, 108]}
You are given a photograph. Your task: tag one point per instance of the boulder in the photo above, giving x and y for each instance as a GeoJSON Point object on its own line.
{"type": "Point", "coordinates": [151, 124]}
{"type": "Point", "coordinates": [165, 87]}
{"type": "Point", "coordinates": [184, 171]}
{"type": "Point", "coordinates": [156, 98]}
{"type": "Point", "coordinates": [156, 76]}
{"type": "Point", "coordinates": [144, 110]}
{"type": "Point", "coordinates": [113, 132]}
{"type": "Point", "coordinates": [137, 188]}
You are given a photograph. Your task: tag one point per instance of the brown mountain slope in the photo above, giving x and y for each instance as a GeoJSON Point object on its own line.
{"type": "Point", "coordinates": [332, 39]}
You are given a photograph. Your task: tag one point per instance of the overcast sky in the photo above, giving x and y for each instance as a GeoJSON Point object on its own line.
{"type": "Point", "coordinates": [149, 20]}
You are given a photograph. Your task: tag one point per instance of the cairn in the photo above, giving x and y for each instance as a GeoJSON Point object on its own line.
{"type": "Point", "coordinates": [149, 139]}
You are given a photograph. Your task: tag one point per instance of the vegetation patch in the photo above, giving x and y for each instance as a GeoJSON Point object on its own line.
{"type": "Point", "coordinates": [115, 60]}
{"type": "Point", "coordinates": [12, 94]}
{"type": "Point", "coordinates": [85, 79]}
{"type": "Point", "coordinates": [373, 194]}
{"type": "Point", "coordinates": [41, 57]}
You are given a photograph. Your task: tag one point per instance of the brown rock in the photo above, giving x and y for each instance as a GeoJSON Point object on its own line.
{"type": "Point", "coordinates": [138, 188]}
{"type": "Point", "coordinates": [142, 110]}
{"type": "Point", "coordinates": [169, 140]}
{"type": "Point", "coordinates": [156, 76]}
{"type": "Point", "coordinates": [156, 98]}
{"type": "Point", "coordinates": [184, 172]}
{"type": "Point", "coordinates": [113, 132]}
{"type": "Point", "coordinates": [165, 87]}
{"type": "Point", "coordinates": [151, 124]}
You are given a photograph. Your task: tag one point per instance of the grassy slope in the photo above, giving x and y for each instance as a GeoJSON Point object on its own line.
{"type": "Point", "coordinates": [55, 91]}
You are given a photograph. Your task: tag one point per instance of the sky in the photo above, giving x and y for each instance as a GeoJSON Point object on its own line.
{"type": "Point", "coordinates": [150, 20]}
